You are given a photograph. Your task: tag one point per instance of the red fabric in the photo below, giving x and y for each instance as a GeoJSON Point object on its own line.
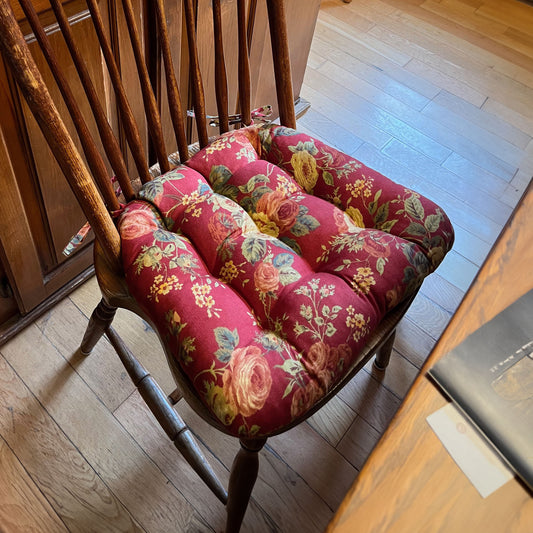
{"type": "Point", "coordinates": [266, 263]}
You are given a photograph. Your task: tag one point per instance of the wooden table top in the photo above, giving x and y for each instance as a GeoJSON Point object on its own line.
{"type": "Point", "coordinates": [410, 483]}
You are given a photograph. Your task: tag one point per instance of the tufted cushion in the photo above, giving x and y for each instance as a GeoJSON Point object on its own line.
{"type": "Point", "coordinates": [267, 261]}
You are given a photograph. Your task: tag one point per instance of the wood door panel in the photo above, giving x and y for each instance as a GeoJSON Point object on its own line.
{"type": "Point", "coordinates": [63, 215]}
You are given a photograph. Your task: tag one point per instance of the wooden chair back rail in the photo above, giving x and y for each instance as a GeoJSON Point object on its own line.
{"type": "Point", "coordinates": [32, 85]}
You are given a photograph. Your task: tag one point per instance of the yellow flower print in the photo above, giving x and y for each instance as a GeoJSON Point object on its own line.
{"type": "Point", "coordinates": [265, 225]}
{"type": "Point", "coordinates": [228, 272]}
{"type": "Point", "coordinates": [286, 185]}
{"type": "Point", "coordinates": [220, 144]}
{"type": "Point", "coordinates": [357, 322]}
{"type": "Point", "coordinates": [356, 216]}
{"type": "Point", "coordinates": [161, 287]}
{"type": "Point", "coordinates": [203, 298]}
{"type": "Point", "coordinates": [188, 199]}
{"type": "Point", "coordinates": [305, 171]}
{"type": "Point", "coordinates": [363, 280]}
{"type": "Point", "coordinates": [360, 188]}
{"type": "Point", "coordinates": [354, 320]}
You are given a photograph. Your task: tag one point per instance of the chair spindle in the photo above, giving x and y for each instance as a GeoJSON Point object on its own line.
{"type": "Point", "coordinates": [280, 54]}
{"type": "Point", "coordinates": [94, 159]}
{"type": "Point", "coordinates": [221, 83]}
{"type": "Point", "coordinates": [126, 114]}
{"type": "Point", "coordinates": [244, 65]}
{"type": "Point", "coordinates": [173, 93]}
{"type": "Point", "coordinates": [109, 141]}
{"type": "Point", "coordinates": [149, 100]}
{"type": "Point", "coordinates": [196, 77]}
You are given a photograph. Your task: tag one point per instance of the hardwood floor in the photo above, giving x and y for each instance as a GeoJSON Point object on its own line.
{"type": "Point", "coordinates": [436, 94]}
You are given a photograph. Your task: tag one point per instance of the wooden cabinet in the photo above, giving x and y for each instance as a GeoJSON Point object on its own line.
{"type": "Point", "coordinates": [38, 211]}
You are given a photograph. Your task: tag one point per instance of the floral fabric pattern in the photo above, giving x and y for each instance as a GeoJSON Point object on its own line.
{"type": "Point", "coordinates": [267, 261]}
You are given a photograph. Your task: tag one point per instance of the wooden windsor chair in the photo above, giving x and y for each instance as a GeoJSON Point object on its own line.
{"type": "Point", "coordinates": [271, 266]}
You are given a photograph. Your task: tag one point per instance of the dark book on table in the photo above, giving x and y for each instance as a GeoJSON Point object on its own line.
{"type": "Point", "coordinates": [490, 378]}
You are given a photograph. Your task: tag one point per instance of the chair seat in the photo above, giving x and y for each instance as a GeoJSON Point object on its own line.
{"type": "Point", "coordinates": [266, 262]}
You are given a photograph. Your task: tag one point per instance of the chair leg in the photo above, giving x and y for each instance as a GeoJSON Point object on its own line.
{"type": "Point", "coordinates": [383, 354]}
{"type": "Point", "coordinates": [241, 482]}
{"type": "Point", "coordinates": [169, 420]}
{"type": "Point", "coordinates": [100, 320]}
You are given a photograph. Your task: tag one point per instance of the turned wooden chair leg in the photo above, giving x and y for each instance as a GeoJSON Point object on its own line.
{"type": "Point", "coordinates": [100, 320]}
{"type": "Point", "coordinates": [169, 420]}
{"type": "Point", "coordinates": [383, 354]}
{"type": "Point", "coordinates": [241, 482]}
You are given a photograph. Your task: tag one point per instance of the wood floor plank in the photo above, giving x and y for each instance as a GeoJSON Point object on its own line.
{"type": "Point", "coordinates": [452, 84]}
{"type": "Point", "coordinates": [338, 89]}
{"type": "Point", "coordinates": [398, 376]}
{"type": "Point", "coordinates": [375, 404]}
{"type": "Point", "coordinates": [412, 342]}
{"type": "Point", "coordinates": [428, 315]}
{"type": "Point", "coordinates": [466, 138]}
{"type": "Point", "coordinates": [102, 369]}
{"type": "Point", "coordinates": [442, 292]}
{"type": "Point", "coordinates": [517, 187]}
{"type": "Point", "coordinates": [470, 246]}
{"type": "Point", "coordinates": [484, 120]}
{"type": "Point", "coordinates": [22, 506]}
{"type": "Point", "coordinates": [354, 18]}
{"type": "Point", "coordinates": [485, 180]}
{"type": "Point", "coordinates": [358, 58]}
{"type": "Point", "coordinates": [116, 458]}
{"type": "Point", "coordinates": [444, 52]}
{"type": "Point", "coordinates": [514, 15]}
{"type": "Point", "coordinates": [358, 442]}
{"type": "Point", "coordinates": [350, 78]}
{"type": "Point", "coordinates": [137, 419]}
{"type": "Point", "coordinates": [141, 338]}
{"type": "Point", "coordinates": [486, 51]}
{"type": "Point", "coordinates": [454, 23]}
{"type": "Point", "coordinates": [333, 420]}
{"type": "Point", "coordinates": [75, 491]}
{"type": "Point", "coordinates": [463, 188]}
{"type": "Point", "coordinates": [299, 446]}
{"type": "Point", "coordinates": [510, 115]}
{"type": "Point", "coordinates": [322, 127]}
{"type": "Point", "coordinates": [413, 92]}
{"type": "Point", "coordinates": [491, 142]}
{"type": "Point", "coordinates": [371, 43]}
{"type": "Point", "coordinates": [458, 270]}
{"type": "Point", "coordinates": [346, 117]}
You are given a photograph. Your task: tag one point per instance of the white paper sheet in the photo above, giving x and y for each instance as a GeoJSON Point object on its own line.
{"type": "Point", "coordinates": [469, 449]}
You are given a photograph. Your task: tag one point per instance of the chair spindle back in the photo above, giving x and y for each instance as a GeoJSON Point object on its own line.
{"type": "Point", "coordinates": [97, 200]}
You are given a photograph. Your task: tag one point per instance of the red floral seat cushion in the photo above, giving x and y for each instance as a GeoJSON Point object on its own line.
{"type": "Point", "coordinates": [267, 261]}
